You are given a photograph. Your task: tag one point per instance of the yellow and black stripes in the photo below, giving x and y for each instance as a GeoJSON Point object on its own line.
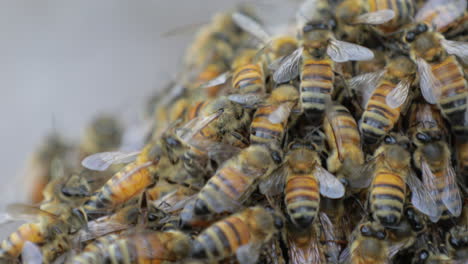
{"type": "Point", "coordinates": [404, 13]}
{"type": "Point", "coordinates": [302, 198]}
{"type": "Point", "coordinates": [378, 118]}
{"type": "Point", "coordinates": [317, 79]}
{"type": "Point", "coordinates": [263, 131]}
{"type": "Point", "coordinates": [249, 78]}
{"type": "Point", "coordinates": [387, 196]}
{"type": "Point", "coordinates": [11, 247]}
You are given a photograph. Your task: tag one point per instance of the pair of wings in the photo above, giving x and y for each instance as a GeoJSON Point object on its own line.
{"type": "Point", "coordinates": [365, 84]}
{"type": "Point", "coordinates": [441, 12]}
{"type": "Point", "coordinates": [330, 186]}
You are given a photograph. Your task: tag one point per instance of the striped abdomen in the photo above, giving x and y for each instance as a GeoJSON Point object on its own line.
{"type": "Point", "coordinates": [262, 130]}
{"type": "Point", "coordinates": [454, 91]}
{"type": "Point", "coordinates": [227, 182]}
{"type": "Point", "coordinates": [302, 198]}
{"type": "Point", "coordinates": [96, 251]}
{"type": "Point", "coordinates": [11, 247]}
{"type": "Point", "coordinates": [345, 131]}
{"type": "Point", "coordinates": [404, 13]}
{"type": "Point", "coordinates": [123, 186]}
{"type": "Point", "coordinates": [378, 118]}
{"type": "Point", "coordinates": [249, 79]}
{"type": "Point", "coordinates": [387, 196]}
{"type": "Point", "coordinates": [221, 239]}
{"type": "Point", "coordinates": [316, 85]}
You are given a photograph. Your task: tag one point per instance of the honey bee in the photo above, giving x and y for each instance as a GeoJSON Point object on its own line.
{"type": "Point", "coordinates": [47, 163]}
{"type": "Point", "coordinates": [314, 61]}
{"type": "Point", "coordinates": [441, 76]}
{"type": "Point", "coordinates": [303, 179]}
{"type": "Point", "coordinates": [104, 133]}
{"type": "Point", "coordinates": [344, 142]}
{"type": "Point", "coordinates": [96, 251]}
{"type": "Point", "coordinates": [433, 157]}
{"type": "Point", "coordinates": [269, 122]}
{"type": "Point", "coordinates": [368, 245]}
{"type": "Point", "coordinates": [303, 246]}
{"type": "Point", "coordinates": [236, 179]}
{"type": "Point", "coordinates": [242, 234]}
{"type": "Point", "coordinates": [391, 173]}
{"type": "Point", "coordinates": [384, 94]}
{"type": "Point", "coordinates": [441, 14]}
{"type": "Point", "coordinates": [385, 17]}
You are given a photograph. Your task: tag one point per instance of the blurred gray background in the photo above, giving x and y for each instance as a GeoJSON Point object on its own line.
{"type": "Point", "coordinates": [69, 60]}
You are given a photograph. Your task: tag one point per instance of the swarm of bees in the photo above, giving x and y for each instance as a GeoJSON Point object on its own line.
{"type": "Point", "coordinates": [342, 138]}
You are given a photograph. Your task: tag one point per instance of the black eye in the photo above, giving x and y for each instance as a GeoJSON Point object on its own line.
{"type": "Point", "coordinates": [410, 36]}
{"type": "Point", "coordinates": [381, 235]}
{"type": "Point", "coordinates": [365, 230]}
{"type": "Point", "coordinates": [276, 157]}
{"type": "Point", "coordinates": [423, 137]}
{"type": "Point", "coordinates": [454, 242]}
{"type": "Point", "coordinates": [172, 142]}
{"type": "Point", "coordinates": [389, 140]}
{"type": "Point", "coordinates": [421, 28]}
{"type": "Point", "coordinates": [152, 217]}
{"type": "Point", "coordinates": [308, 28]}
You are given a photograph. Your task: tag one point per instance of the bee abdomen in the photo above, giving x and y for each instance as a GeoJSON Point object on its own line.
{"type": "Point", "coordinates": [316, 85]}
{"type": "Point", "coordinates": [262, 131]}
{"type": "Point", "coordinates": [13, 244]}
{"type": "Point", "coordinates": [302, 199]}
{"type": "Point", "coordinates": [249, 79]}
{"type": "Point", "coordinates": [387, 197]}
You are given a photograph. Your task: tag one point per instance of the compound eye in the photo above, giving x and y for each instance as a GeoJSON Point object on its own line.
{"type": "Point", "coordinates": [389, 140]}
{"type": "Point", "coordinates": [423, 137]}
{"type": "Point", "coordinates": [410, 36]}
{"type": "Point", "coordinates": [423, 255]}
{"type": "Point", "coordinates": [454, 242]}
{"type": "Point", "coordinates": [381, 235]}
{"type": "Point", "coordinates": [421, 28]}
{"type": "Point", "coordinates": [276, 157]}
{"type": "Point", "coordinates": [307, 28]}
{"type": "Point", "coordinates": [365, 230]}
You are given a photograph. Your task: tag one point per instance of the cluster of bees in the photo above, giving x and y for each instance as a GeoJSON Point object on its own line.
{"type": "Point", "coordinates": [342, 138]}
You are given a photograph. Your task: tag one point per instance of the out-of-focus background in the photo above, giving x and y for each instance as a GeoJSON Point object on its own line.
{"type": "Point", "coordinates": [63, 62]}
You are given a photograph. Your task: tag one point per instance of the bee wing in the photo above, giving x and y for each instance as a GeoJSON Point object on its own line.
{"type": "Point", "coordinates": [220, 79]}
{"type": "Point", "coordinates": [31, 253]}
{"type": "Point", "coordinates": [430, 181]}
{"type": "Point", "coordinates": [341, 51]}
{"type": "Point", "coordinates": [422, 198]}
{"type": "Point", "coordinates": [191, 128]}
{"type": "Point", "coordinates": [103, 160]}
{"type": "Point", "coordinates": [281, 113]}
{"type": "Point", "coordinates": [345, 256]}
{"type": "Point", "coordinates": [454, 8]}
{"type": "Point", "coordinates": [248, 253]}
{"type": "Point", "coordinates": [251, 26]}
{"type": "Point", "coordinates": [330, 186]}
{"type": "Point", "coordinates": [457, 48]}
{"type": "Point", "coordinates": [375, 18]}
{"type": "Point", "coordinates": [398, 95]}
{"type": "Point", "coordinates": [430, 86]}
{"type": "Point", "coordinates": [100, 227]}
{"type": "Point", "coordinates": [25, 211]}
{"type": "Point", "coordinates": [289, 67]}
{"type": "Point", "coordinates": [220, 152]}
{"type": "Point", "coordinates": [365, 84]}
{"type": "Point", "coordinates": [274, 183]}
{"type": "Point", "coordinates": [305, 254]}
{"type": "Point", "coordinates": [451, 194]}
{"type": "Point", "coordinates": [247, 100]}
{"type": "Point", "coordinates": [329, 235]}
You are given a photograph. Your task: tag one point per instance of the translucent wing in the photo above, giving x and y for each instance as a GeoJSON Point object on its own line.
{"type": "Point", "coordinates": [189, 130]}
{"type": "Point", "coordinates": [341, 51]}
{"type": "Point", "coordinates": [430, 181]}
{"type": "Point", "coordinates": [365, 85]}
{"type": "Point", "coordinates": [220, 79]}
{"type": "Point", "coordinates": [375, 18]}
{"type": "Point", "coordinates": [421, 198]}
{"type": "Point", "coordinates": [289, 67]}
{"type": "Point", "coordinates": [248, 253]}
{"type": "Point", "coordinates": [281, 114]}
{"type": "Point", "coordinates": [345, 256]}
{"type": "Point", "coordinates": [330, 186]}
{"type": "Point", "coordinates": [333, 249]}
{"type": "Point", "coordinates": [457, 48]}
{"type": "Point", "coordinates": [220, 152]}
{"type": "Point", "coordinates": [247, 100]}
{"type": "Point", "coordinates": [430, 86]}
{"type": "Point", "coordinates": [441, 12]}
{"type": "Point", "coordinates": [103, 160]}
{"type": "Point", "coordinates": [300, 252]}
{"type": "Point", "coordinates": [25, 211]}
{"type": "Point", "coordinates": [251, 26]}
{"type": "Point", "coordinates": [451, 194]}
{"type": "Point", "coordinates": [274, 183]}
{"type": "Point", "coordinates": [98, 228]}
{"type": "Point", "coordinates": [31, 253]}
{"type": "Point", "coordinates": [398, 95]}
